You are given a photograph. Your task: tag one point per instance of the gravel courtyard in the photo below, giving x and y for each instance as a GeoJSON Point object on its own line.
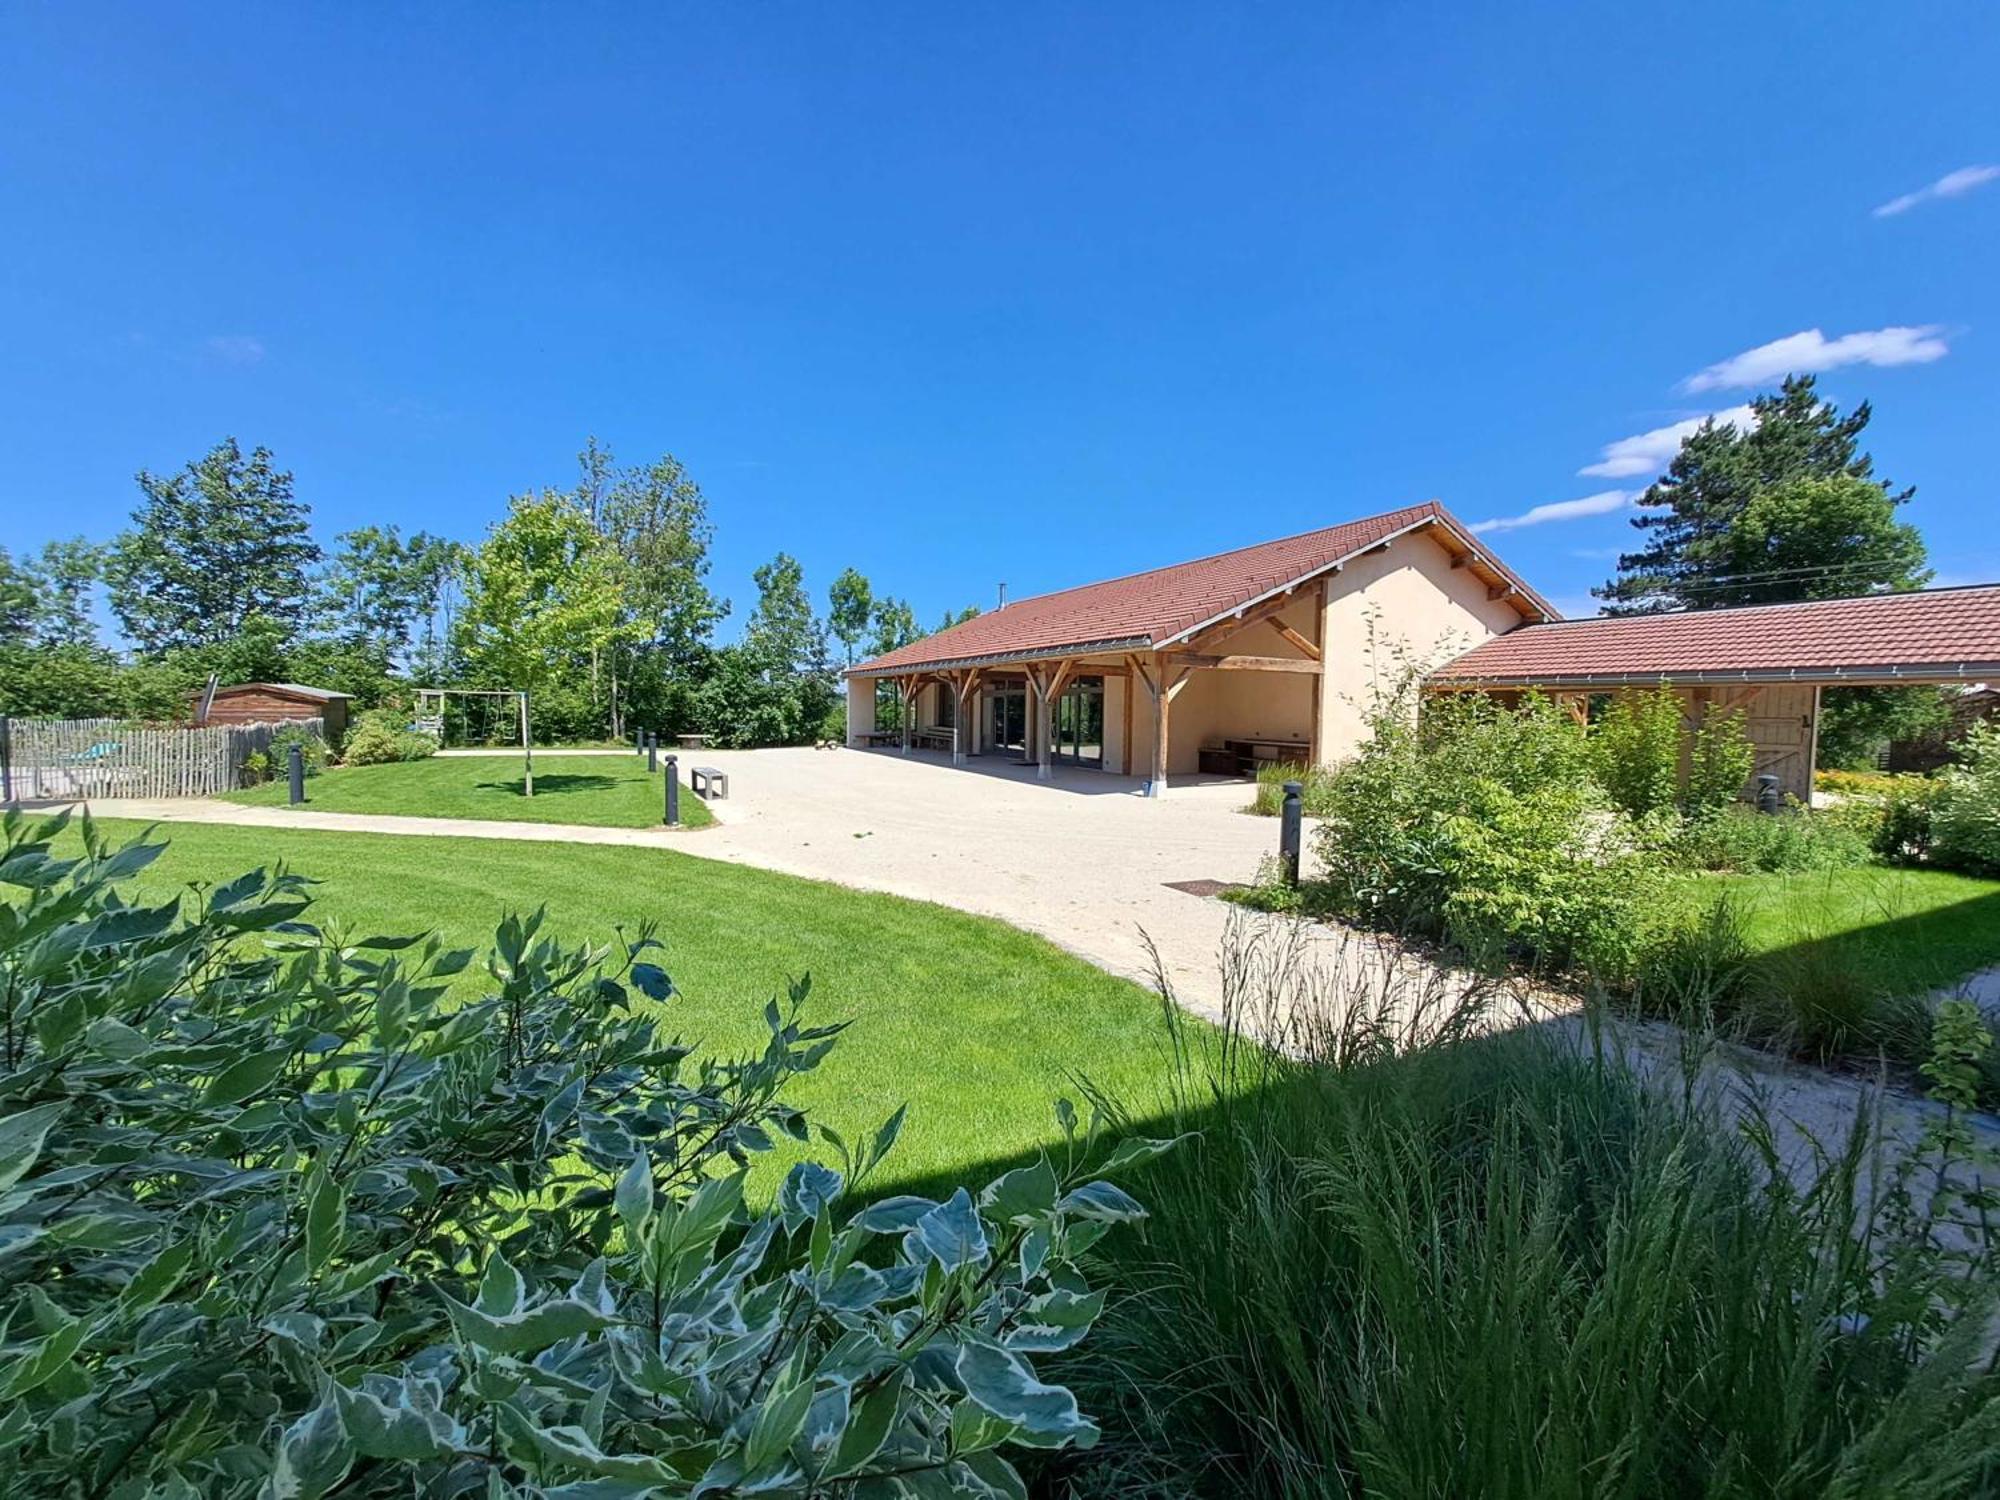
{"type": "Point", "coordinates": [1082, 859]}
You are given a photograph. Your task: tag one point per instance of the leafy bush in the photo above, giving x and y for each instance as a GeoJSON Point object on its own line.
{"type": "Point", "coordinates": [1639, 746]}
{"type": "Point", "coordinates": [1742, 839]}
{"type": "Point", "coordinates": [260, 766]}
{"type": "Point", "coordinates": [281, 1221]}
{"type": "Point", "coordinates": [1720, 761]}
{"type": "Point", "coordinates": [1483, 827]}
{"type": "Point", "coordinates": [1636, 749]}
{"type": "Point", "coordinates": [1965, 807]}
{"type": "Point", "coordinates": [1507, 1267]}
{"type": "Point", "coordinates": [1903, 820]}
{"type": "Point", "coordinates": [383, 735]}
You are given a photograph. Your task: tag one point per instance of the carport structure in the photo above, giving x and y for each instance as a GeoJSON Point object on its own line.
{"type": "Point", "coordinates": [1772, 661]}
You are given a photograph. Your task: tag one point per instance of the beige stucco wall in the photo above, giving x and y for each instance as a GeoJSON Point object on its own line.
{"type": "Point", "coordinates": [1420, 605]}
{"type": "Point", "coordinates": [860, 708]}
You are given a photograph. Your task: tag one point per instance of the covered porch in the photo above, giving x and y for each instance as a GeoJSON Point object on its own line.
{"type": "Point", "coordinates": [1243, 694]}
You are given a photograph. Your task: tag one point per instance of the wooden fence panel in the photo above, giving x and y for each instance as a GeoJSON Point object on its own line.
{"type": "Point", "coordinates": [68, 760]}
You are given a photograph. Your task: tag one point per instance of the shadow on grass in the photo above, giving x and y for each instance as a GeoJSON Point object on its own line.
{"type": "Point", "coordinates": [555, 786]}
{"type": "Point", "coordinates": [1881, 936]}
{"type": "Point", "coordinates": [1839, 971]}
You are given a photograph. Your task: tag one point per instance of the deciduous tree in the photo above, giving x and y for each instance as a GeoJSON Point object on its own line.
{"type": "Point", "coordinates": [850, 600]}
{"type": "Point", "coordinates": [543, 591]}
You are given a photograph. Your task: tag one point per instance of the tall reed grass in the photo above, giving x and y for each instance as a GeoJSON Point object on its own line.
{"type": "Point", "coordinates": [1408, 1251]}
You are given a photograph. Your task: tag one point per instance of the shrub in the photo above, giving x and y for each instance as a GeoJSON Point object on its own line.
{"type": "Point", "coordinates": [1741, 839]}
{"type": "Point", "coordinates": [281, 1221]}
{"type": "Point", "coordinates": [1509, 1268]}
{"type": "Point", "coordinates": [1903, 820]}
{"type": "Point", "coordinates": [1965, 808]}
{"type": "Point", "coordinates": [1483, 827]}
{"type": "Point", "coordinates": [1313, 794]}
{"type": "Point", "coordinates": [383, 735]}
{"type": "Point", "coordinates": [1636, 748]}
{"type": "Point", "coordinates": [1861, 783]}
{"type": "Point", "coordinates": [1720, 761]}
{"type": "Point", "coordinates": [312, 749]}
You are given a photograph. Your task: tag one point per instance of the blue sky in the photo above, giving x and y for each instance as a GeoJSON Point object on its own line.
{"type": "Point", "coordinates": [959, 295]}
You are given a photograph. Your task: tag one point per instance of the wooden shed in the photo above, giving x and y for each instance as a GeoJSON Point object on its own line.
{"type": "Point", "coordinates": [275, 702]}
{"type": "Point", "coordinates": [1772, 661]}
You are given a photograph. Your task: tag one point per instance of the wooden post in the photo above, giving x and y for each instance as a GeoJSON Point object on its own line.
{"type": "Point", "coordinates": [1314, 748]}
{"type": "Point", "coordinates": [527, 750]}
{"type": "Point", "coordinates": [1163, 685]}
{"type": "Point", "coordinates": [1812, 744]}
{"type": "Point", "coordinates": [962, 728]}
{"type": "Point", "coordinates": [1038, 719]}
{"type": "Point", "coordinates": [1131, 685]}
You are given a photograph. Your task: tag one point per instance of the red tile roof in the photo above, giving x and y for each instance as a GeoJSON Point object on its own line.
{"type": "Point", "coordinates": [1146, 610]}
{"type": "Point", "coordinates": [1931, 635]}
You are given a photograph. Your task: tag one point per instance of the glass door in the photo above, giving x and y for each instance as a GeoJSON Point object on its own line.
{"type": "Point", "coordinates": [1080, 723]}
{"type": "Point", "coordinates": [1007, 719]}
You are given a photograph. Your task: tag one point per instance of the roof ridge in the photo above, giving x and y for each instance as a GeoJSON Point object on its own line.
{"type": "Point", "coordinates": [1431, 507]}
{"type": "Point", "coordinates": [1733, 609]}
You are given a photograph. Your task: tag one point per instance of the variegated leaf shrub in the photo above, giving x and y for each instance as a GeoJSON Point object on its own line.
{"type": "Point", "coordinates": [280, 1218]}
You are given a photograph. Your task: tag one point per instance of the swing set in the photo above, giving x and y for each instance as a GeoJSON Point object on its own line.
{"type": "Point", "coordinates": [430, 720]}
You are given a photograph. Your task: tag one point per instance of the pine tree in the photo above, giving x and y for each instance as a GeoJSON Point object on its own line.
{"type": "Point", "coordinates": [210, 547]}
{"type": "Point", "coordinates": [1711, 544]}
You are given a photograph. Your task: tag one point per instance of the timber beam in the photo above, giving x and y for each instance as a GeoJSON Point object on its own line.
{"type": "Point", "coordinates": [1191, 660]}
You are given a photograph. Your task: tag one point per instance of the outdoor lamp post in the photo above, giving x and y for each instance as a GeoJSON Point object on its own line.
{"type": "Point", "coordinates": [673, 791]}
{"type": "Point", "coordinates": [1291, 825]}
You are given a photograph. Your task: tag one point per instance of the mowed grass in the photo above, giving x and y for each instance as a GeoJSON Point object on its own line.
{"type": "Point", "coordinates": [977, 1026]}
{"type": "Point", "coordinates": [603, 791]}
{"type": "Point", "coordinates": [1894, 931]}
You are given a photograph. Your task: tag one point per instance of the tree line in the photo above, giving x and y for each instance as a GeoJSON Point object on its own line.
{"type": "Point", "coordinates": [594, 598]}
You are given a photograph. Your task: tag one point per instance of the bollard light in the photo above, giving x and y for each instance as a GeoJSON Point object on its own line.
{"type": "Point", "coordinates": [673, 791]}
{"type": "Point", "coordinates": [297, 771]}
{"type": "Point", "coordinates": [1768, 800]}
{"type": "Point", "coordinates": [652, 751]}
{"type": "Point", "coordinates": [1291, 829]}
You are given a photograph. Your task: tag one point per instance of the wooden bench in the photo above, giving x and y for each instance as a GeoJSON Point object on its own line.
{"type": "Point", "coordinates": [708, 782]}
{"type": "Point", "coordinates": [1247, 757]}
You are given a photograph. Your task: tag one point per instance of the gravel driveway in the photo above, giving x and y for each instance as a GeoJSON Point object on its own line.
{"type": "Point", "coordinates": [1082, 859]}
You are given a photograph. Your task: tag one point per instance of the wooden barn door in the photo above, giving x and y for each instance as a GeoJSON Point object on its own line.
{"type": "Point", "coordinates": [1778, 717]}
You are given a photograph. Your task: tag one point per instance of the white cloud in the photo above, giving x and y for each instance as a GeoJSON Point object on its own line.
{"type": "Point", "coordinates": [1599, 504]}
{"type": "Point", "coordinates": [1650, 452]}
{"type": "Point", "coordinates": [1812, 351]}
{"type": "Point", "coordinates": [1951, 185]}
{"type": "Point", "coordinates": [235, 349]}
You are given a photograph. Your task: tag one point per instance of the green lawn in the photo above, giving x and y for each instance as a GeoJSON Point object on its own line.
{"type": "Point", "coordinates": [976, 1025]}
{"type": "Point", "coordinates": [604, 791]}
{"type": "Point", "coordinates": [1899, 931]}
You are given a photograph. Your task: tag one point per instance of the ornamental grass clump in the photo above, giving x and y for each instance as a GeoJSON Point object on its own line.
{"type": "Point", "coordinates": [1426, 1262]}
{"type": "Point", "coordinates": [276, 1219]}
